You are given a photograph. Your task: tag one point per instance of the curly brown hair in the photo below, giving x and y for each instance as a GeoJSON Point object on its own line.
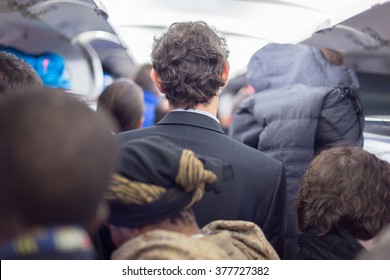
{"type": "Point", "coordinates": [189, 59]}
{"type": "Point", "coordinates": [345, 188]}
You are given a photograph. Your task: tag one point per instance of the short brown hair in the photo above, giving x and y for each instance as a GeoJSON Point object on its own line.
{"type": "Point", "coordinates": [124, 100]}
{"type": "Point", "coordinates": [16, 74]}
{"type": "Point", "coordinates": [56, 158]}
{"type": "Point", "coordinates": [189, 59]}
{"type": "Point", "coordinates": [345, 188]}
{"type": "Point", "coordinates": [142, 78]}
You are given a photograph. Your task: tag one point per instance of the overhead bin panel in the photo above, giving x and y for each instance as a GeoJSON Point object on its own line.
{"type": "Point", "coordinates": [77, 30]}
{"type": "Point", "coordinates": [364, 39]}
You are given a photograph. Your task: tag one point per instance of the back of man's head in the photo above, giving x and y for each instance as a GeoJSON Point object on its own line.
{"type": "Point", "coordinates": [189, 60]}
{"type": "Point", "coordinates": [56, 158]}
{"type": "Point", "coordinates": [15, 74]}
{"type": "Point", "coordinates": [124, 100]}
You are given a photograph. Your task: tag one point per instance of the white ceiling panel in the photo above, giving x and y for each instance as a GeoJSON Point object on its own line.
{"type": "Point", "coordinates": [247, 24]}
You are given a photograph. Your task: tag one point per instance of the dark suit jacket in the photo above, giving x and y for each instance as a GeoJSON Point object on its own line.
{"type": "Point", "coordinates": [258, 191]}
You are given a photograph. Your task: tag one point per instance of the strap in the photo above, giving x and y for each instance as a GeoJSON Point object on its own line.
{"type": "Point", "coordinates": [353, 95]}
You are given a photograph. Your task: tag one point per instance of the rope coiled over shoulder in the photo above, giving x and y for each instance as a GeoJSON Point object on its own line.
{"type": "Point", "coordinates": [132, 192]}
{"type": "Point", "coordinates": [192, 177]}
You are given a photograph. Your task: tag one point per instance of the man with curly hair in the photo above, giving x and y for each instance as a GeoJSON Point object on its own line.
{"type": "Point", "coordinates": [190, 66]}
{"type": "Point", "coordinates": [343, 204]}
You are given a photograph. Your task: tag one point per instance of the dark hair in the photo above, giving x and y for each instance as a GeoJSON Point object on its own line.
{"type": "Point", "coordinates": [124, 100]}
{"type": "Point", "coordinates": [143, 79]}
{"type": "Point", "coordinates": [56, 159]}
{"type": "Point", "coordinates": [345, 188]}
{"type": "Point", "coordinates": [189, 59]}
{"type": "Point", "coordinates": [15, 74]}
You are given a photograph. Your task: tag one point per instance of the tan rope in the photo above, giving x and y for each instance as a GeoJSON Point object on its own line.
{"type": "Point", "coordinates": [132, 192]}
{"type": "Point", "coordinates": [192, 176]}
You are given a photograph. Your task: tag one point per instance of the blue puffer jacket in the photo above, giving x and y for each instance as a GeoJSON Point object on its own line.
{"type": "Point", "coordinates": [302, 104]}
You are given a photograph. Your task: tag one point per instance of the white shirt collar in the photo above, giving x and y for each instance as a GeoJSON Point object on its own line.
{"type": "Point", "coordinates": [198, 112]}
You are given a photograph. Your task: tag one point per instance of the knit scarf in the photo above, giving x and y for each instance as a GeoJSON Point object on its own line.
{"type": "Point", "coordinates": [335, 246]}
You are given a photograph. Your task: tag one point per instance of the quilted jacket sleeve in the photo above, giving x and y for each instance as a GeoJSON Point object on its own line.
{"type": "Point", "coordinates": [245, 128]}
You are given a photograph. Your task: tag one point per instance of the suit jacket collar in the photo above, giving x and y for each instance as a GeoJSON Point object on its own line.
{"type": "Point", "coordinates": [192, 119]}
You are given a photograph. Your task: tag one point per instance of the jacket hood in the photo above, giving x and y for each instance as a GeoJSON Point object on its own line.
{"type": "Point", "coordinates": [279, 65]}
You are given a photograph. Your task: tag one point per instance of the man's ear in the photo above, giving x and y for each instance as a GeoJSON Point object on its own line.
{"type": "Point", "coordinates": [225, 72]}
{"type": "Point", "coordinates": [156, 79]}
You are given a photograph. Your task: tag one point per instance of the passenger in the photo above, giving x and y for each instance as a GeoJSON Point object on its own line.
{"type": "Point", "coordinates": [56, 159]}
{"type": "Point", "coordinates": [15, 74]}
{"type": "Point", "coordinates": [343, 204]}
{"type": "Point", "coordinates": [304, 102]}
{"type": "Point", "coordinates": [151, 94]}
{"type": "Point", "coordinates": [190, 66]}
{"type": "Point", "coordinates": [124, 100]}
{"type": "Point", "coordinates": [151, 201]}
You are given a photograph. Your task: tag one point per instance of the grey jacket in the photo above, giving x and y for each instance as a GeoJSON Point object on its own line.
{"type": "Point", "coordinates": [302, 104]}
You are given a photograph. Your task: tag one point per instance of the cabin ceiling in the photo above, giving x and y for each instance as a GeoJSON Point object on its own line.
{"type": "Point", "coordinates": [74, 21]}
{"type": "Point", "coordinates": [126, 28]}
{"type": "Point", "coordinates": [247, 24]}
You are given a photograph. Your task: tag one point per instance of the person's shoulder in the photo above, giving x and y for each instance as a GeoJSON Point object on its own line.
{"type": "Point", "coordinates": [135, 133]}
{"type": "Point", "coordinates": [168, 245]}
{"type": "Point", "coordinates": [250, 152]}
